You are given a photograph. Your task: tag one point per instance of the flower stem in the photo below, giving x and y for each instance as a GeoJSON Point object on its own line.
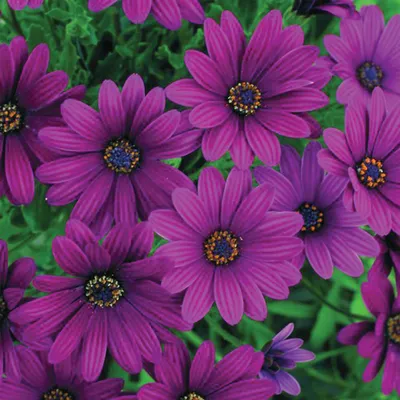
{"type": "Point", "coordinates": [234, 341]}
{"type": "Point", "coordinates": [308, 285]}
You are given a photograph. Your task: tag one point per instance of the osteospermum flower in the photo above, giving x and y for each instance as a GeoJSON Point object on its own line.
{"type": "Point", "coordinates": [380, 340]}
{"type": "Point", "coordinates": [30, 99]}
{"type": "Point", "coordinates": [110, 161]}
{"type": "Point", "coordinates": [13, 283]}
{"type": "Point", "coordinates": [366, 56]}
{"type": "Point", "coordinates": [280, 354]}
{"type": "Point", "coordinates": [368, 155]}
{"type": "Point", "coordinates": [228, 247]}
{"type": "Point", "coordinates": [331, 234]}
{"type": "Point", "coordinates": [113, 301]}
{"type": "Point", "coordinates": [44, 381]}
{"type": "Point", "coordinates": [389, 256]}
{"type": "Point", "coordinates": [243, 94]}
{"type": "Point", "coordinates": [180, 378]}
{"type": "Point", "coordinates": [339, 8]}
{"type": "Point", "coordinates": [20, 4]}
{"type": "Point", "coordinates": [168, 13]}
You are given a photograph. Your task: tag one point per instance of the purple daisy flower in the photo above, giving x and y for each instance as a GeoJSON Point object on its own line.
{"type": "Point", "coordinates": [110, 161]}
{"type": "Point", "coordinates": [30, 99]}
{"type": "Point", "coordinates": [114, 301]}
{"type": "Point", "coordinates": [380, 340]}
{"type": "Point", "coordinates": [339, 8]}
{"type": "Point", "coordinates": [42, 380]}
{"type": "Point", "coordinates": [368, 156]}
{"type": "Point", "coordinates": [280, 354]}
{"type": "Point", "coordinates": [243, 94]}
{"type": "Point", "coordinates": [180, 378]}
{"type": "Point", "coordinates": [365, 56]}
{"type": "Point", "coordinates": [168, 13]}
{"type": "Point", "coordinates": [330, 232]}
{"type": "Point", "coordinates": [227, 247]}
{"type": "Point", "coordinates": [389, 256]}
{"type": "Point", "coordinates": [13, 283]}
{"type": "Point", "coordinates": [20, 4]}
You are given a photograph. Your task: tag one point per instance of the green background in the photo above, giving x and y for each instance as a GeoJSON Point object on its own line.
{"type": "Point", "coordinates": [93, 47]}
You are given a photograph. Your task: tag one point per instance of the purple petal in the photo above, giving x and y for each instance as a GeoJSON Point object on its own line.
{"type": "Point", "coordinates": [351, 334]}
{"type": "Point", "coordinates": [167, 13]}
{"type": "Point", "coordinates": [319, 256]}
{"type": "Point", "coordinates": [137, 11]}
{"type": "Point", "coordinates": [202, 365]}
{"type": "Point", "coordinates": [263, 142]}
{"type": "Point", "coordinates": [337, 144]}
{"type": "Point", "coordinates": [241, 152]}
{"type": "Point", "coordinates": [125, 201]}
{"type": "Point", "coordinates": [311, 173]}
{"type": "Point", "coordinates": [133, 91]}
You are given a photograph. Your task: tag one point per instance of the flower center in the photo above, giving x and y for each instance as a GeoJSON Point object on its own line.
{"type": "Point", "coordinates": [11, 118]}
{"type": "Point", "coordinates": [103, 291]}
{"type": "Point", "coordinates": [370, 172]}
{"type": "Point", "coordinates": [244, 98]}
{"type": "Point", "coordinates": [312, 216]}
{"type": "Point", "coordinates": [370, 75]}
{"type": "Point", "coordinates": [3, 309]}
{"type": "Point", "coordinates": [221, 247]}
{"type": "Point", "coordinates": [57, 394]}
{"type": "Point", "coordinates": [393, 329]}
{"type": "Point", "coordinates": [192, 396]}
{"type": "Point", "coordinates": [121, 156]}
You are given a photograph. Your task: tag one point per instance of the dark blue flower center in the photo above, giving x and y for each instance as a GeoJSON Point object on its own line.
{"type": "Point", "coordinates": [371, 173]}
{"type": "Point", "coordinates": [312, 216]}
{"type": "Point", "coordinates": [57, 394]}
{"type": "Point", "coordinates": [370, 75]}
{"type": "Point", "coordinates": [11, 118]}
{"type": "Point", "coordinates": [393, 329]}
{"type": "Point", "coordinates": [121, 156]}
{"type": "Point", "coordinates": [3, 309]}
{"type": "Point", "coordinates": [221, 247]}
{"type": "Point", "coordinates": [103, 291]}
{"type": "Point", "coordinates": [192, 396]}
{"type": "Point", "coordinates": [244, 98]}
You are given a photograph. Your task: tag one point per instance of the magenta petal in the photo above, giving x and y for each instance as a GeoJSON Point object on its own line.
{"type": "Point", "coordinates": [137, 11]}
{"type": "Point", "coordinates": [331, 164]}
{"type": "Point", "coordinates": [167, 13]}
{"type": "Point", "coordinates": [218, 140]}
{"type": "Point", "coordinates": [159, 130]}
{"type": "Point", "coordinates": [188, 93]}
{"type": "Point", "coordinates": [169, 225]}
{"type": "Point", "coordinates": [93, 198]}
{"type": "Point", "coordinates": [205, 72]}
{"type": "Point", "coordinates": [21, 273]}
{"type": "Point", "coordinates": [179, 279]}
{"type": "Point", "coordinates": [18, 171]}
{"type": "Point", "coordinates": [202, 365]}
{"type": "Point", "coordinates": [192, 11]}
{"type": "Point", "coordinates": [34, 68]}
{"type": "Point", "coordinates": [337, 144]}
{"type": "Point", "coordinates": [111, 108]}
{"type": "Point", "coordinates": [311, 173]}
{"type": "Point", "coordinates": [3, 262]}
{"type": "Point", "coordinates": [199, 297]}
{"type": "Point", "coordinates": [238, 186]}
{"type": "Point", "coordinates": [84, 120]}
{"type": "Point", "coordinates": [219, 49]}
{"type": "Point", "coordinates": [43, 92]}
{"type": "Point", "coordinates": [253, 209]}
{"type": "Point", "coordinates": [351, 334]}
{"type": "Point", "coordinates": [210, 114]}
{"type": "Point", "coordinates": [319, 256]}
{"type": "Point", "coordinates": [125, 201]}
{"type": "Point", "coordinates": [49, 283]}
{"type": "Point", "coordinates": [132, 93]}
{"type": "Point", "coordinates": [345, 258]}
{"type": "Point", "coordinates": [192, 210]}
{"type": "Point", "coordinates": [211, 186]}
{"type": "Point", "coordinates": [264, 143]}
{"type": "Point", "coordinates": [70, 257]}
{"type": "Point", "coordinates": [100, 5]}
{"type": "Point", "coordinates": [380, 219]}
{"type": "Point", "coordinates": [355, 123]}
{"type": "Point", "coordinates": [94, 347]}
{"type": "Point", "coordinates": [71, 335]}
{"type": "Point", "coordinates": [7, 72]}
{"type": "Point", "coordinates": [290, 166]}
{"type": "Point", "coordinates": [228, 296]}
{"type": "Point", "coordinates": [241, 152]}
{"type": "Point", "coordinates": [150, 108]}
{"type": "Point", "coordinates": [284, 123]}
